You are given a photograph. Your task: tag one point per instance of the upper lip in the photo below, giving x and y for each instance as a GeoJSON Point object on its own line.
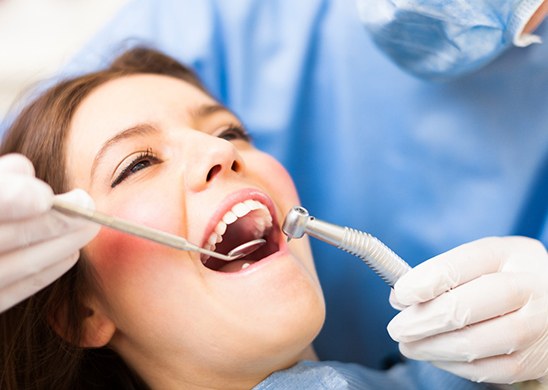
{"type": "Point", "coordinates": [233, 199]}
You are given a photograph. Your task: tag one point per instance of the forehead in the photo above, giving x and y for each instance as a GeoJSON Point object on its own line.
{"type": "Point", "coordinates": [130, 100]}
{"type": "Point", "coordinates": [137, 97]}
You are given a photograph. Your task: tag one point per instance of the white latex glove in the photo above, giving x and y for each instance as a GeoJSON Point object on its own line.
{"type": "Point", "coordinates": [37, 244]}
{"type": "Point", "coordinates": [479, 311]}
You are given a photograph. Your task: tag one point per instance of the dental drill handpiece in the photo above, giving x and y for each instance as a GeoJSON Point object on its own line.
{"type": "Point", "coordinates": [388, 265]}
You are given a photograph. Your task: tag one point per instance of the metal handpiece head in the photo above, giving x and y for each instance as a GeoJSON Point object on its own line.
{"type": "Point", "coordinates": [294, 225]}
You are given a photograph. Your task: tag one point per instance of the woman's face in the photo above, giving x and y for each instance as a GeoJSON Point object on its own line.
{"type": "Point", "coordinates": [158, 151]}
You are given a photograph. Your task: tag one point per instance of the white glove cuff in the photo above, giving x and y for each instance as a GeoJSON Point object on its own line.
{"type": "Point", "coordinates": [522, 14]}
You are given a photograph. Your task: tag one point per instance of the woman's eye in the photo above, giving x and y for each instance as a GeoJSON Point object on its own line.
{"type": "Point", "coordinates": [142, 161]}
{"type": "Point", "coordinates": [234, 132]}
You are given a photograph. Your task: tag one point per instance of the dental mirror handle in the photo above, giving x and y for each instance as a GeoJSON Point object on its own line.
{"type": "Point", "coordinates": [381, 259]}
{"type": "Point", "coordinates": [134, 229]}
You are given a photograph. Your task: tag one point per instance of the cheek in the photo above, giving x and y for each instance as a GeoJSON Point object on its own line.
{"type": "Point", "coordinates": [112, 251]}
{"type": "Point", "coordinates": [275, 179]}
{"type": "Point", "coordinates": [116, 255]}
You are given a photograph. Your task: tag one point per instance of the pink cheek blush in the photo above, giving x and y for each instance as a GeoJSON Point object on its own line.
{"type": "Point", "coordinates": [112, 251]}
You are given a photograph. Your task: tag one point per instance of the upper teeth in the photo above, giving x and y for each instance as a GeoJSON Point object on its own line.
{"type": "Point", "coordinates": [262, 220]}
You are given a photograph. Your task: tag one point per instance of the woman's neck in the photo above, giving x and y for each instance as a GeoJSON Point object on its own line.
{"type": "Point", "coordinates": [171, 376]}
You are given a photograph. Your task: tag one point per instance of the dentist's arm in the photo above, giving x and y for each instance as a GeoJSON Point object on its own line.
{"type": "Point", "coordinates": [37, 244]}
{"type": "Point", "coordinates": [479, 311]}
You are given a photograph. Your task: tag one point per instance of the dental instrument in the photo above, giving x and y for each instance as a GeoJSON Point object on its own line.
{"type": "Point", "coordinates": [388, 265]}
{"type": "Point", "coordinates": [151, 234]}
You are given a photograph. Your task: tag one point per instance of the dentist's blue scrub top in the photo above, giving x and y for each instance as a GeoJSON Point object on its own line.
{"type": "Point", "coordinates": [423, 166]}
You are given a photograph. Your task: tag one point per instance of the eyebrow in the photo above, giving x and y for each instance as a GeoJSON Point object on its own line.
{"type": "Point", "coordinates": [202, 111]}
{"type": "Point", "coordinates": [206, 110]}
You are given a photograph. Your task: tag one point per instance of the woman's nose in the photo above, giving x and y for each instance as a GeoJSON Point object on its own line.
{"type": "Point", "coordinates": [213, 158]}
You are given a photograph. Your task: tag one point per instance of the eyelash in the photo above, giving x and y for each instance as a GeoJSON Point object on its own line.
{"type": "Point", "coordinates": [233, 132]}
{"type": "Point", "coordinates": [147, 155]}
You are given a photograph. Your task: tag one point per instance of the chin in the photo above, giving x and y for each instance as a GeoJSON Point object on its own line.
{"type": "Point", "coordinates": [294, 312]}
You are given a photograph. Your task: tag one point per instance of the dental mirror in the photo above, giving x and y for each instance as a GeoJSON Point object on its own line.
{"type": "Point", "coordinates": [246, 248]}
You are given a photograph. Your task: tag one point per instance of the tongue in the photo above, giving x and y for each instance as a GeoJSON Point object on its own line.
{"type": "Point", "coordinates": [235, 265]}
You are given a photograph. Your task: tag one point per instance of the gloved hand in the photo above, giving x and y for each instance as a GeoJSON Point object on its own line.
{"type": "Point", "coordinates": [37, 244]}
{"type": "Point", "coordinates": [479, 311]}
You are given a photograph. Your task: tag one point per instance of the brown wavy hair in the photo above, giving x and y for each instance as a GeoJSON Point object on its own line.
{"type": "Point", "coordinates": [33, 355]}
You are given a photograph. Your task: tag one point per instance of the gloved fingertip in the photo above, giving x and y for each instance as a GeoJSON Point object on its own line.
{"type": "Point", "coordinates": [79, 197]}
{"type": "Point", "coordinates": [417, 286]}
{"type": "Point", "coordinates": [404, 293]}
{"type": "Point", "coordinates": [23, 197]}
{"type": "Point", "coordinates": [394, 302]}
{"type": "Point", "coordinates": [394, 329]}
{"type": "Point", "coordinates": [16, 164]}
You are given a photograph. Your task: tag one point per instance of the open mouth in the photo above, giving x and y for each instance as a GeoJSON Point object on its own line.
{"type": "Point", "coordinates": [246, 221]}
